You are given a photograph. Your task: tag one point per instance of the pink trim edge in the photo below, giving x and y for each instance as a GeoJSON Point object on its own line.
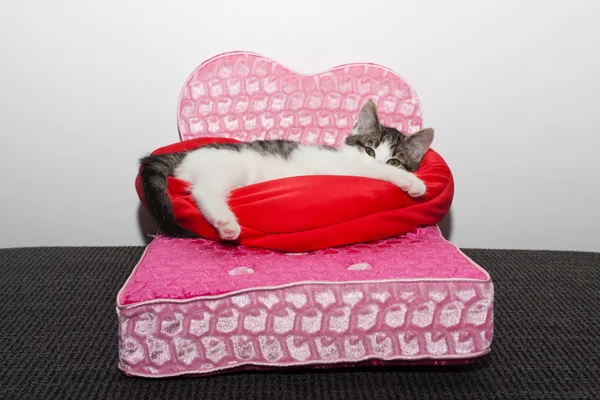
{"type": "Point", "coordinates": [362, 363]}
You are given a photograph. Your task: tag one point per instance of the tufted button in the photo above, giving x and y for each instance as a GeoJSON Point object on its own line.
{"type": "Point", "coordinates": [359, 267]}
{"type": "Point", "coordinates": [241, 271]}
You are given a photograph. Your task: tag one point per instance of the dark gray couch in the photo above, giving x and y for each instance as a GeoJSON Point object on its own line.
{"type": "Point", "coordinates": [58, 336]}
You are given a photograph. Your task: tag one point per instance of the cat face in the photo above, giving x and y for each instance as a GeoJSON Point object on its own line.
{"type": "Point", "coordinates": [388, 145]}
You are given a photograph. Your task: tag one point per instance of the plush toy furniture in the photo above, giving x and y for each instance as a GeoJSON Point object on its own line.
{"type": "Point", "coordinates": [317, 280]}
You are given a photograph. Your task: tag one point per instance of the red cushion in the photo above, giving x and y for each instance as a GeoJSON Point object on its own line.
{"type": "Point", "coordinates": [308, 213]}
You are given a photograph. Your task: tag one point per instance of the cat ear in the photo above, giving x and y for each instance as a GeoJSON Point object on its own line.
{"type": "Point", "coordinates": [418, 143]}
{"type": "Point", "coordinates": [368, 121]}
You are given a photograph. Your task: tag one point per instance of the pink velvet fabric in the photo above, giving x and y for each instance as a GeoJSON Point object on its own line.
{"type": "Point", "coordinates": [191, 268]}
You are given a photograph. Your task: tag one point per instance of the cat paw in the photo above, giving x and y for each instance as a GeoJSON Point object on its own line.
{"type": "Point", "coordinates": [414, 187]}
{"type": "Point", "coordinates": [228, 230]}
{"type": "Point", "coordinates": [417, 188]}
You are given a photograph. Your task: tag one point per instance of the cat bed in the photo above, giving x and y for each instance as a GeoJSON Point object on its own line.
{"type": "Point", "coordinates": [197, 306]}
{"type": "Point", "coordinates": [316, 212]}
{"type": "Point", "coordinates": [194, 306]}
{"type": "Point", "coordinates": [245, 96]}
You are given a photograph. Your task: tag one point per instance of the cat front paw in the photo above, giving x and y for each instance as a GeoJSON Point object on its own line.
{"type": "Point", "coordinates": [413, 186]}
{"type": "Point", "coordinates": [228, 229]}
{"type": "Point", "coordinates": [417, 188]}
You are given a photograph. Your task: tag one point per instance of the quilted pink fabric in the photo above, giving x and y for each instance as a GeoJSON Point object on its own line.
{"type": "Point", "coordinates": [247, 96]}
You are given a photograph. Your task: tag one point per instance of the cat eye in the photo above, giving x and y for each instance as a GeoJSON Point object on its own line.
{"type": "Point", "coordinates": [393, 162]}
{"type": "Point", "coordinates": [370, 151]}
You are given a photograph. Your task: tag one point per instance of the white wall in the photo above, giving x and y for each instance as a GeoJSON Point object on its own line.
{"type": "Point", "coordinates": [87, 87]}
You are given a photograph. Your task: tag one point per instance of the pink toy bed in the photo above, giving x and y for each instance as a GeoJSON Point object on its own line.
{"type": "Point", "coordinates": [195, 306]}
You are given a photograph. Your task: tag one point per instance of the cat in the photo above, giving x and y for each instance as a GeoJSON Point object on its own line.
{"type": "Point", "coordinates": [371, 150]}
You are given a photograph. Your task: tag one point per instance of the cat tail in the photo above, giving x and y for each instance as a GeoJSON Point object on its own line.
{"type": "Point", "coordinates": [155, 169]}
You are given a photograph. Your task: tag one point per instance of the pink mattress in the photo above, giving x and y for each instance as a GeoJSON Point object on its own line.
{"type": "Point", "coordinates": [199, 307]}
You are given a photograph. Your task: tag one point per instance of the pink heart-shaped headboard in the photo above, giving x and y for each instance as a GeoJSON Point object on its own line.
{"type": "Point", "coordinates": [247, 96]}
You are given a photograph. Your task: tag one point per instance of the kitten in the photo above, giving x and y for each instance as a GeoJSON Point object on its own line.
{"type": "Point", "coordinates": [372, 151]}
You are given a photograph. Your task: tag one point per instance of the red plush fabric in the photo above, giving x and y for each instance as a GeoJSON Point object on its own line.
{"type": "Point", "coordinates": [315, 212]}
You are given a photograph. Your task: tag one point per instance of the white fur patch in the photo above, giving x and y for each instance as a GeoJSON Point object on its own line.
{"type": "Point", "coordinates": [383, 153]}
{"type": "Point", "coordinates": [214, 173]}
